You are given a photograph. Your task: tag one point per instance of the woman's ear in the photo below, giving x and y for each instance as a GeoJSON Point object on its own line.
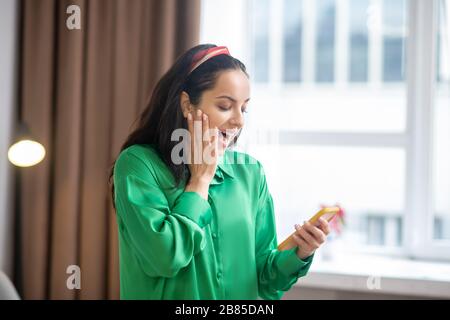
{"type": "Point", "coordinates": [185, 104]}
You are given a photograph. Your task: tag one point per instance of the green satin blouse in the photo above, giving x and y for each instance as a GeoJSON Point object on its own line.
{"type": "Point", "coordinates": [176, 245]}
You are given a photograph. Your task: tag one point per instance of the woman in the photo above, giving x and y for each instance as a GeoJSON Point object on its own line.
{"type": "Point", "coordinates": [200, 224]}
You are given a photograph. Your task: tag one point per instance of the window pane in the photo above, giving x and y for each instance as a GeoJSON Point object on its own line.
{"type": "Point", "coordinates": [326, 12]}
{"type": "Point", "coordinates": [261, 46]}
{"type": "Point", "coordinates": [442, 130]}
{"type": "Point", "coordinates": [393, 40]}
{"type": "Point", "coordinates": [365, 104]}
{"type": "Point", "coordinates": [359, 42]}
{"type": "Point", "coordinates": [393, 15]}
{"type": "Point", "coordinates": [393, 60]}
{"type": "Point", "coordinates": [292, 33]}
{"type": "Point", "coordinates": [341, 110]}
{"type": "Point", "coordinates": [367, 182]}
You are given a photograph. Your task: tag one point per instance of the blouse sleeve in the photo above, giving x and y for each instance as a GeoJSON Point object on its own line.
{"type": "Point", "coordinates": [277, 270]}
{"type": "Point", "coordinates": [163, 239]}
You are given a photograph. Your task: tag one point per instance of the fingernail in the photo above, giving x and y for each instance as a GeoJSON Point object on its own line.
{"type": "Point", "coordinates": [199, 113]}
{"type": "Point", "coordinates": [189, 116]}
{"type": "Point", "coordinates": [204, 116]}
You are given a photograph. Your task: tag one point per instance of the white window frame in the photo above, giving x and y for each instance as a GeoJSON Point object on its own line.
{"type": "Point", "coordinates": [421, 92]}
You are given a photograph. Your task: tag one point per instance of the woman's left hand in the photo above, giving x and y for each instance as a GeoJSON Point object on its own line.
{"type": "Point", "coordinates": [309, 238]}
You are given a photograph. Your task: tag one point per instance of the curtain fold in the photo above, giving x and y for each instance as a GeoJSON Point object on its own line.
{"type": "Point", "coordinates": [81, 92]}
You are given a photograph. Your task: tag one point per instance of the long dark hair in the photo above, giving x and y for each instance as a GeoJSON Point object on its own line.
{"type": "Point", "coordinates": [163, 113]}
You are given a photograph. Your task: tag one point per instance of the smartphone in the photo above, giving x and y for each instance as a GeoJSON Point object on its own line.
{"type": "Point", "coordinates": [328, 213]}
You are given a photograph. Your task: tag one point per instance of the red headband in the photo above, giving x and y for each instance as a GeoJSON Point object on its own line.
{"type": "Point", "coordinates": [207, 54]}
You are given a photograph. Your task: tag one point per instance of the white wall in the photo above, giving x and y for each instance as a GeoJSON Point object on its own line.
{"type": "Point", "coordinates": [230, 25]}
{"type": "Point", "coordinates": [8, 77]}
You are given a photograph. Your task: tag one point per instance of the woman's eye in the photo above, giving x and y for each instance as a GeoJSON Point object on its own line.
{"type": "Point", "coordinates": [224, 108]}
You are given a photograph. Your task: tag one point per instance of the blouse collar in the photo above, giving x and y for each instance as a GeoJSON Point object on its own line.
{"type": "Point", "coordinates": [224, 168]}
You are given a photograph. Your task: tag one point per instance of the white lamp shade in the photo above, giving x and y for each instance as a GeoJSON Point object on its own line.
{"type": "Point", "coordinates": [26, 153]}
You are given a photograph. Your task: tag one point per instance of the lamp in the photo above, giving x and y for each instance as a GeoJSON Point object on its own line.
{"type": "Point", "coordinates": [25, 150]}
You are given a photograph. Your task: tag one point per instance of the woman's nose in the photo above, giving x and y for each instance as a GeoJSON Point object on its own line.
{"type": "Point", "coordinates": [238, 119]}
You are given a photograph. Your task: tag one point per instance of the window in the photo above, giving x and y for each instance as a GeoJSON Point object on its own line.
{"type": "Point", "coordinates": [393, 40]}
{"type": "Point", "coordinates": [261, 38]}
{"type": "Point", "coordinates": [292, 36]}
{"type": "Point", "coordinates": [326, 17]}
{"type": "Point", "coordinates": [359, 41]}
{"type": "Point", "coordinates": [340, 114]}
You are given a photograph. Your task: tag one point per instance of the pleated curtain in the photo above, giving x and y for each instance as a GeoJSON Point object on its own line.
{"type": "Point", "coordinates": [80, 93]}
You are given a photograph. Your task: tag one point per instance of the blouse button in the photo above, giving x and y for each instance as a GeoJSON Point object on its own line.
{"type": "Point", "coordinates": [219, 275]}
{"type": "Point", "coordinates": [214, 235]}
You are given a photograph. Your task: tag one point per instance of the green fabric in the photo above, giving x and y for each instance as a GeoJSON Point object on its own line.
{"type": "Point", "coordinates": [177, 245]}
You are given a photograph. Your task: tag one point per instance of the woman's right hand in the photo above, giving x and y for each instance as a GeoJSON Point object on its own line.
{"type": "Point", "coordinates": [202, 160]}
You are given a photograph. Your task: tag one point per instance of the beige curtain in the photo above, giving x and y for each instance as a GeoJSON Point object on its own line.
{"type": "Point", "coordinates": [81, 91]}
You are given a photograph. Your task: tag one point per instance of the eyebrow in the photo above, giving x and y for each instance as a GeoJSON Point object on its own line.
{"type": "Point", "coordinates": [230, 98]}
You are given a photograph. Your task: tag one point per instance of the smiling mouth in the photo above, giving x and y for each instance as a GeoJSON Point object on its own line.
{"type": "Point", "coordinates": [228, 135]}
